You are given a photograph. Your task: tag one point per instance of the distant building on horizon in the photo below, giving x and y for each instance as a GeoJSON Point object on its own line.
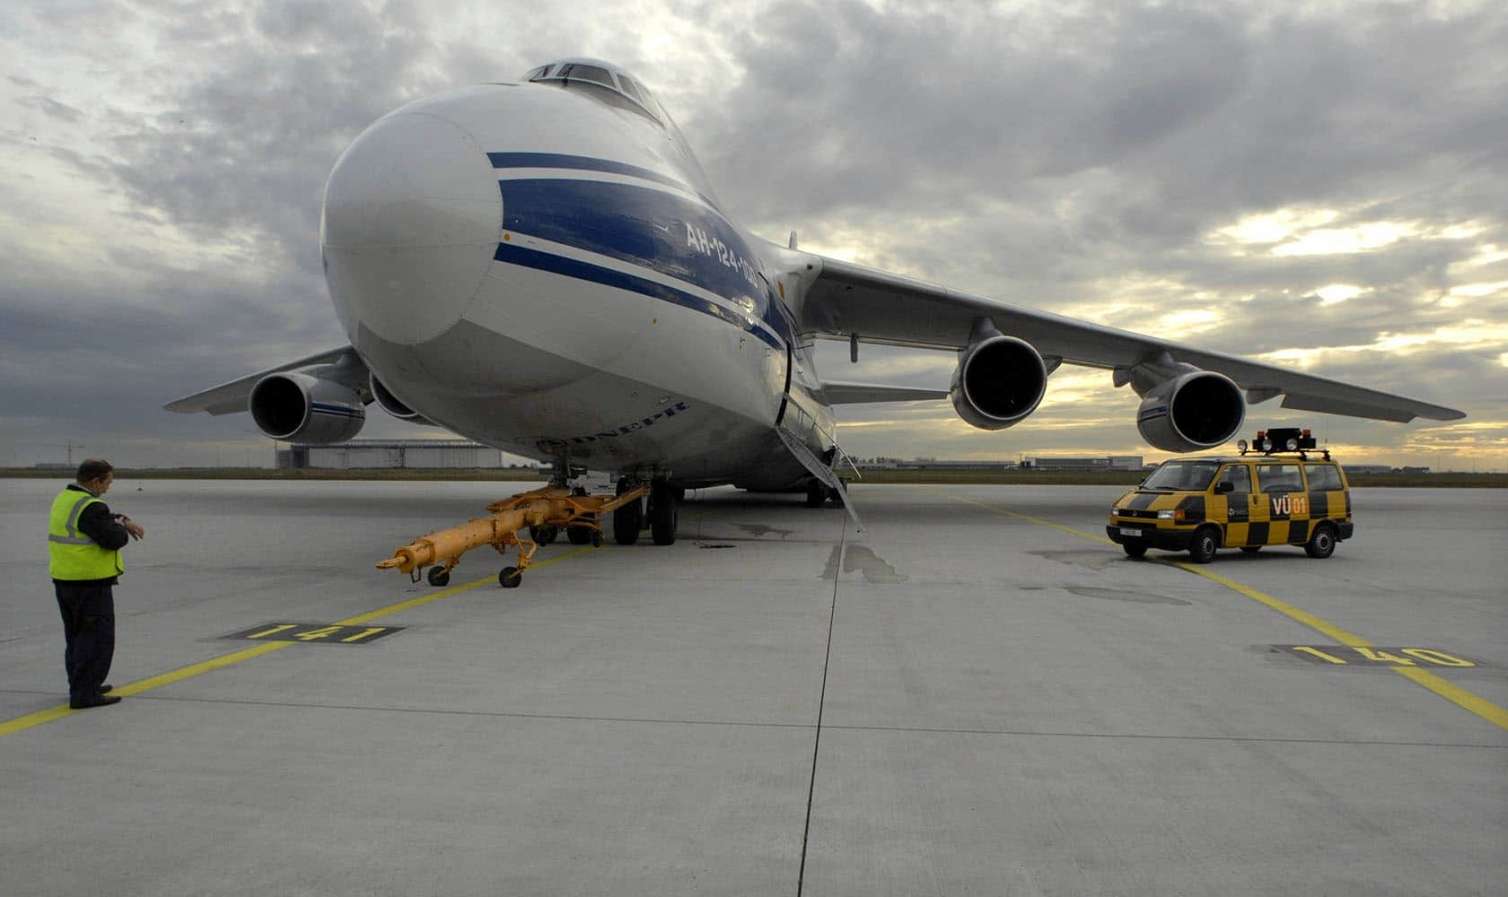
{"type": "Point", "coordinates": [1107, 462]}
{"type": "Point", "coordinates": [380, 454]}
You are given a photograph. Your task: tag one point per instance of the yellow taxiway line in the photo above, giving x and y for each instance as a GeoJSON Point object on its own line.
{"type": "Point", "coordinates": [39, 717]}
{"type": "Point", "coordinates": [1437, 684]}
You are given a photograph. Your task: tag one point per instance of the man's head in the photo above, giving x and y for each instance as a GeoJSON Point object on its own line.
{"type": "Point", "coordinates": [96, 475]}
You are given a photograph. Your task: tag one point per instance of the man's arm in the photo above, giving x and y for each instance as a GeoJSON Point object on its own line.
{"type": "Point", "coordinates": [99, 524]}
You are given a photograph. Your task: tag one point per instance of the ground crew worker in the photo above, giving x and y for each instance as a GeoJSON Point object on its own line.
{"type": "Point", "coordinates": [84, 541]}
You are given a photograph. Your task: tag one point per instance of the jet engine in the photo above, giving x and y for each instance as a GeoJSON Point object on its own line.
{"type": "Point", "coordinates": [394, 405]}
{"type": "Point", "coordinates": [1191, 410]}
{"type": "Point", "coordinates": [999, 380]}
{"type": "Point", "coordinates": [304, 407]}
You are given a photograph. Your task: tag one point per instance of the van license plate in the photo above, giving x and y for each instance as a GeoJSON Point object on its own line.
{"type": "Point", "coordinates": [1130, 531]}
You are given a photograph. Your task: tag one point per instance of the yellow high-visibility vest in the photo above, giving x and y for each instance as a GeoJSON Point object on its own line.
{"type": "Point", "coordinates": [71, 554]}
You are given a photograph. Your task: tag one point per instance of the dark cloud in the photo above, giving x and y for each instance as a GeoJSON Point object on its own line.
{"type": "Point", "coordinates": [1059, 157]}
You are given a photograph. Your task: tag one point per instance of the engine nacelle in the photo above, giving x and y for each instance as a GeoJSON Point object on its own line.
{"type": "Point", "coordinates": [1193, 411]}
{"type": "Point", "coordinates": [999, 381]}
{"type": "Point", "coordinates": [394, 405]}
{"type": "Point", "coordinates": [302, 407]}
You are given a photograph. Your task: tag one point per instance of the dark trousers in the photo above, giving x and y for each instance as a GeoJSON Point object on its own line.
{"type": "Point", "coordinates": [89, 623]}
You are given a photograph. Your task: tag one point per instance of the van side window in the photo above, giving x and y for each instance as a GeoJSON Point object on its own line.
{"type": "Point", "coordinates": [1238, 476]}
{"type": "Point", "coordinates": [1323, 478]}
{"type": "Point", "coordinates": [1280, 478]}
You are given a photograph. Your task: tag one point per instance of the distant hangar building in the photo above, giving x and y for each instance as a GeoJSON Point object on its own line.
{"type": "Point", "coordinates": [368, 454]}
{"type": "Point", "coordinates": [1110, 462]}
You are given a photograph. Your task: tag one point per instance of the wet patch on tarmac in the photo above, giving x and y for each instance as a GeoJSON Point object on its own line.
{"type": "Point", "coordinates": [759, 530]}
{"type": "Point", "coordinates": [1125, 595]}
{"type": "Point", "coordinates": [862, 558]}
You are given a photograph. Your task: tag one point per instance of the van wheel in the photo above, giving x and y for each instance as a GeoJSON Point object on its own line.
{"type": "Point", "coordinates": [1204, 544]}
{"type": "Point", "coordinates": [1134, 549]}
{"type": "Point", "coordinates": [1251, 549]}
{"type": "Point", "coordinates": [1322, 543]}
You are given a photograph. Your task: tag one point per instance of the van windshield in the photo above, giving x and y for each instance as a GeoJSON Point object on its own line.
{"type": "Point", "coordinates": [1182, 476]}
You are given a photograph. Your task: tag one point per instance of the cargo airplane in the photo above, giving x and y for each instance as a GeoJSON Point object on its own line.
{"type": "Point", "coordinates": [542, 266]}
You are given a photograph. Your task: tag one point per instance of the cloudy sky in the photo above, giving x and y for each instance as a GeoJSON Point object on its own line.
{"type": "Point", "coordinates": [1321, 184]}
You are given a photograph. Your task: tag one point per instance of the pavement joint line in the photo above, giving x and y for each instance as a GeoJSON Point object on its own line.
{"type": "Point", "coordinates": [41, 717]}
{"type": "Point", "coordinates": [811, 790]}
{"type": "Point", "coordinates": [1441, 686]}
{"type": "Point", "coordinates": [500, 714]}
{"type": "Point", "coordinates": [898, 730]}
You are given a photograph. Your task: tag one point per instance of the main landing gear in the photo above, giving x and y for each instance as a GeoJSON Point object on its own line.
{"type": "Point", "coordinates": [661, 517]}
{"type": "Point", "coordinates": [819, 493]}
{"type": "Point", "coordinates": [543, 513]}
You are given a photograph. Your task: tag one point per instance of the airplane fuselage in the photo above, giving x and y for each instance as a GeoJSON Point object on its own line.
{"type": "Point", "coordinates": [546, 270]}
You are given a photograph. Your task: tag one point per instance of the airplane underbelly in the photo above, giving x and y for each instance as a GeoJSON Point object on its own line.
{"type": "Point", "coordinates": [543, 363]}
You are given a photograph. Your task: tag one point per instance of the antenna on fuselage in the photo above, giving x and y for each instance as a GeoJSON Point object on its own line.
{"type": "Point", "coordinates": [792, 243]}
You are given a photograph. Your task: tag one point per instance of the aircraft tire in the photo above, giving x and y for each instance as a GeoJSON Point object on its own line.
{"type": "Point", "coordinates": [510, 577]}
{"type": "Point", "coordinates": [544, 535]}
{"type": "Point", "coordinates": [438, 576]}
{"type": "Point", "coordinates": [627, 521]}
{"type": "Point", "coordinates": [579, 535]}
{"type": "Point", "coordinates": [664, 514]}
{"type": "Point", "coordinates": [816, 494]}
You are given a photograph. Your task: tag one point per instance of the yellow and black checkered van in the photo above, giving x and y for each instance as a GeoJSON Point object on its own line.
{"type": "Point", "coordinates": [1250, 502]}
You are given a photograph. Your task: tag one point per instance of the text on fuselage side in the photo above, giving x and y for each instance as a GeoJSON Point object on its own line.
{"type": "Point", "coordinates": [667, 411]}
{"type": "Point", "coordinates": [697, 239]}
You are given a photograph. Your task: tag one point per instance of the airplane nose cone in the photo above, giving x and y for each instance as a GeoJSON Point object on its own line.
{"type": "Point", "coordinates": [412, 217]}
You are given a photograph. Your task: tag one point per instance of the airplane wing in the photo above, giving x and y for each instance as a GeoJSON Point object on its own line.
{"type": "Point", "coordinates": [834, 392]}
{"type": "Point", "coordinates": [848, 299]}
{"type": "Point", "coordinates": [230, 398]}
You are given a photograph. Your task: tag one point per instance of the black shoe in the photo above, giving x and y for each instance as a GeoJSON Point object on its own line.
{"type": "Point", "coordinates": [96, 701]}
{"type": "Point", "coordinates": [106, 687]}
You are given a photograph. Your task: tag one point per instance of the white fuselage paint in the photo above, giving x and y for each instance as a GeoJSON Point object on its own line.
{"type": "Point", "coordinates": [546, 271]}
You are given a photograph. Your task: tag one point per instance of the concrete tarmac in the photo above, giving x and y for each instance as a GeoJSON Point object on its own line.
{"type": "Point", "coordinates": [977, 695]}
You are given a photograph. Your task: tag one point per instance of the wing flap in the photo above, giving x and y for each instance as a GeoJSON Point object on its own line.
{"type": "Point", "coordinates": [847, 299]}
{"type": "Point", "coordinates": [836, 392]}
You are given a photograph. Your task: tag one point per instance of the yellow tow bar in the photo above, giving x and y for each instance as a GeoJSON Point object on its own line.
{"type": "Point", "coordinates": [552, 506]}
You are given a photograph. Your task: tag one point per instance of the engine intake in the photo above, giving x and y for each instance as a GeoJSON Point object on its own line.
{"type": "Point", "coordinates": [1193, 411]}
{"type": "Point", "coordinates": [394, 405]}
{"type": "Point", "coordinates": [999, 381]}
{"type": "Point", "coordinates": [303, 407]}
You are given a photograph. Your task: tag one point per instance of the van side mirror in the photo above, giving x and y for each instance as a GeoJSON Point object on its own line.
{"type": "Point", "coordinates": [1224, 486]}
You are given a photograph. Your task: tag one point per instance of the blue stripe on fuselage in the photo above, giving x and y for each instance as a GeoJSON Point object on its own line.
{"type": "Point", "coordinates": [643, 226]}
{"type": "Point", "coordinates": [587, 163]}
{"type": "Point", "coordinates": [568, 267]}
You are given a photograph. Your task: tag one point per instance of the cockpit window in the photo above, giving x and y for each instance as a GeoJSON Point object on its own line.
{"type": "Point", "coordinates": [629, 87]}
{"type": "Point", "coordinates": [580, 72]}
{"type": "Point", "coordinates": [569, 72]}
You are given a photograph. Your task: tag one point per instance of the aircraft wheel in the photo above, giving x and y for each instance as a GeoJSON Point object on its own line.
{"type": "Point", "coordinates": [1322, 543]}
{"type": "Point", "coordinates": [1204, 544]}
{"type": "Point", "coordinates": [510, 577]}
{"type": "Point", "coordinates": [663, 514]}
{"type": "Point", "coordinates": [627, 521]}
{"type": "Point", "coordinates": [544, 535]}
{"type": "Point", "coordinates": [579, 535]}
{"type": "Point", "coordinates": [816, 494]}
{"type": "Point", "coordinates": [596, 538]}
{"type": "Point", "coordinates": [1134, 549]}
{"type": "Point", "coordinates": [438, 576]}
